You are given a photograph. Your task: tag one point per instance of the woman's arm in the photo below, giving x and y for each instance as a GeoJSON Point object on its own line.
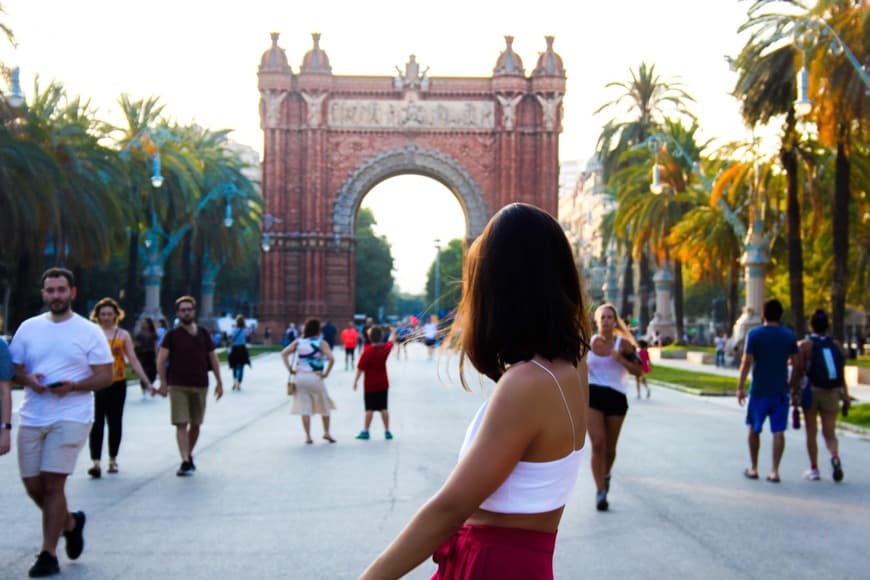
{"type": "Point", "coordinates": [5, 416]}
{"type": "Point", "coordinates": [130, 353]}
{"type": "Point", "coordinates": [285, 355]}
{"type": "Point", "coordinates": [327, 354]}
{"type": "Point", "coordinates": [511, 423]}
{"type": "Point", "coordinates": [627, 358]}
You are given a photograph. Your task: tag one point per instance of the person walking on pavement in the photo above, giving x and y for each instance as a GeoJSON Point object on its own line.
{"type": "Point", "coordinates": [314, 362]}
{"type": "Point", "coordinates": [330, 332]}
{"type": "Point", "coordinates": [721, 341]}
{"type": "Point", "coordinates": [239, 356]}
{"type": "Point", "coordinates": [185, 357]}
{"type": "Point", "coordinates": [59, 358]}
{"type": "Point", "coordinates": [6, 374]}
{"type": "Point", "coordinates": [349, 336]}
{"type": "Point", "coordinates": [769, 348]}
{"type": "Point", "coordinates": [612, 357]}
{"type": "Point", "coordinates": [109, 402]}
{"type": "Point", "coordinates": [523, 324]}
{"type": "Point", "coordinates": [827, 388]}
{"type": "Point", "coordinates": [376, 383]}
{"type": "Point", "coordinates": [145, 346]}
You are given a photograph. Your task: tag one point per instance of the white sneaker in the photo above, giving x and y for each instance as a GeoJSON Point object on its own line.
{"type": "Point", "coordinates": [812, 475]}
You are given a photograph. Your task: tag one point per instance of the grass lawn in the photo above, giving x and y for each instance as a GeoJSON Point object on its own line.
{"type": "Point", "coordinates": [706, 382]}
{"type": "Point", "coordinates": [253, 350]}
{"type": "Point", "coordinates": [858, 415]}
{"type": "Point", "coordinates": [690, 348]}
{"type": "Point", "coordinates": [861, 361]}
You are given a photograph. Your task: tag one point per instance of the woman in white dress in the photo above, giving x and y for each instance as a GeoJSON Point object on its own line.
{"type": "Point", "coordinates": [313, 363]}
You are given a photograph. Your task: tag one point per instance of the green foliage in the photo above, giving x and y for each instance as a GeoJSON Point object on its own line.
{"type": "Point", "coordinates": [858, 415]}
{"type": "Point", "coordinates": [706, 382]}
{"type": "Point", "coordinates": [374, 267]}
{"type": "Point", "coordinates": [450, 277]}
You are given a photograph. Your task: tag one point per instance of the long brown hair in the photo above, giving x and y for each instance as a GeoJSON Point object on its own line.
{"type": "Point", "coordinates": [521, 295]}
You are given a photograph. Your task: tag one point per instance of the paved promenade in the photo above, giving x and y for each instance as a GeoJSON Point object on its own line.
{"type": "Point", "coordinates": [264, 505]}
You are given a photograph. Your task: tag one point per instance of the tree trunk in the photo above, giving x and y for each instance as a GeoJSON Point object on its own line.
{"type": "Point", "coordinates": [644, 287]}
{"type": "Point", "coordinates": [21, 307]}
{"type": "Point", "coordinates": [198, 270]}
{"type": "Point", "coordinates": [678, 298]}
{"type": "Point", "coordinates": [625, 309]}
{"type": "Point", "coordinates": [187, 263]}
{"type": "Point", "coordinates": [788, 157]}
{"type": "Point", "coordinates": [131, 302]}
{"type": "Point", "coordinates": [840, 225]}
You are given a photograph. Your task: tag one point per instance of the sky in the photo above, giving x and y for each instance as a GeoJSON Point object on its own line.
{"type": "Point", "coordinates": [201, 58]}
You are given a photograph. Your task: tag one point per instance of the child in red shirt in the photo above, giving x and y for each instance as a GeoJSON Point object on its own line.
{"type": "Point", "coordinates": [373, 364]}
{"type": "Point", "coordinates": [645, 365]}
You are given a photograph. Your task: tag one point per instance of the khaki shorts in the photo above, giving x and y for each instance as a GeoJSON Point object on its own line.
{"type": "Point", "coordinates": [826, 399]}
{"type": "Point", "coordinates": [187, 405]}
{"type": "Point", "coordinates": [50, 449]}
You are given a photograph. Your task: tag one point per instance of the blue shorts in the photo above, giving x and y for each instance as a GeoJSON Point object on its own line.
{"type": "Point", "coordinates": [773, 406]}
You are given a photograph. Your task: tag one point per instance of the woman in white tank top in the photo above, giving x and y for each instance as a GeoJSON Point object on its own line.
{"type": "Point", "coordinates": [611, 359]}
{"type": "Point", "coordinates": [523, 324]}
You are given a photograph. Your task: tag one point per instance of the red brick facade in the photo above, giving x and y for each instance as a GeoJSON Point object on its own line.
{"type": "Point", "coordinates": [329, 139]}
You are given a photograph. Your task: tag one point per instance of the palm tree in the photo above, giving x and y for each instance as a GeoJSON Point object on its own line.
{"type": "Point", "coordinates": [766, 88]}
{"type": "Point", "coordinates": [649, 100]}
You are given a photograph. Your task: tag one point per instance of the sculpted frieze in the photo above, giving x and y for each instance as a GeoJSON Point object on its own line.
{"type": "Point", "coordinates": [411, 114]}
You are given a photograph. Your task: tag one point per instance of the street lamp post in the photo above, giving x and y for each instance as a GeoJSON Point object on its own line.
{"type": "Point", "coordinates": [268, 222]}
{"type": "Point", "coordinates": [437, 275]}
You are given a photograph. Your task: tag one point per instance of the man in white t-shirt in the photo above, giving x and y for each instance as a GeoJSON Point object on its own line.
{"type": "Point", "coordinates": [60, 358]}
{"type": "Point", "coordinates": [430, 335]}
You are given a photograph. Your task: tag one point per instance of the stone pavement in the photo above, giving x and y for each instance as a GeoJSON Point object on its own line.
{"type": "Point", "coordinates": [264, 505]}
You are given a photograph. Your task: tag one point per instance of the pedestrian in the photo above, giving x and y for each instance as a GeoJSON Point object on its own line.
{"type": "Point", "coordinates": [349, 337]}
{"type": "Point", "coordinates": [290, 334]}
{"type": "Point", "coordinates": [430, 335]}
{"type": "Point", "coordinates": [821, 360]}
{"type": "Point", "coordinates": [523, 325]}
{"type": "Point", "coordinates": [645, 366]}
{"type": "Point", "coordinates": [145, 346]}
{"type": "Point", "coordinates": [314, 361]}
{"type": "Point", "coordinates": [162, 329]}
{"type": "Point", "coordinates": [769, 348]}
{"type": "Point", "coordinates": [267, 335]}
{"type": "Point", "coordinates": [612, 357]}
{"type": "Point", "coordinates": [186, 355]}
{"type": "Point", "coordinates": [6, 374]}
{"type": "Point", "coordinates": [59, 358]}
{"type": "Point", "coordinates": [376, 383]}
{"type": "Point", "coordinates": [364, 333]}
{"type": "Point", "coordinates": [329, 333]}
{"type": "Point", "coordinates": [109, 402]}
{"type": "Point", "coordinates": [403, 335]}
{"type": "Point", "coordinates": [239, 355]}
{"type": "Point", "coordinates": [720, 342]}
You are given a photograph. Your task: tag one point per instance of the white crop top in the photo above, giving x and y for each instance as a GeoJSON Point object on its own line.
{"type": "Point", "coordinates": [604, 371]}
{"type": "Point", "coordinates": [533, 486]}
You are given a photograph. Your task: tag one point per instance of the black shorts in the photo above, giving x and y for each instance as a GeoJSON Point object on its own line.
{"type": "Point", "coordinates": [429, 341]}
{"type": "Point", "coordinates": [376, 401]}
{"type": "Point", "coordinates": [349, 351]}
{"type": "Point", "coordinates": [608, 401]}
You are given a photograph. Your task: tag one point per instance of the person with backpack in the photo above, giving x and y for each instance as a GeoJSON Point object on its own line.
{"type": "Point", "coordinates": [821, 361]}
{"type": "Point", "coordinates": [313, 363]}
{"type": "Point", "coordinates": [239, 355]}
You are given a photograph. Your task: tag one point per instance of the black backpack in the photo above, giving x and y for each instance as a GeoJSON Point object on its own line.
{"type": "Point", "coordinates": [826, 364]}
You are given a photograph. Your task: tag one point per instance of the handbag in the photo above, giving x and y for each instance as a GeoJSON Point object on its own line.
{"type": "Point", "coordinates": [291, 384]}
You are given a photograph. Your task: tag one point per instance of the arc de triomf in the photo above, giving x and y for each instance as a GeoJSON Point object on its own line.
{"type": "Point", "coordinates": [329, 139]}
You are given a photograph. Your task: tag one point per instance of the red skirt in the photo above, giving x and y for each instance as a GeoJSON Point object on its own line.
{"type": "Point", "coordinates": [484, 552]}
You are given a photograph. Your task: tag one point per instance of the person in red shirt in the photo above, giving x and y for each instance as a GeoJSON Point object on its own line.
{"type": "Point", "coordinates": [373, 364]}
{"type": "Point", "coordinates": [349, 336]}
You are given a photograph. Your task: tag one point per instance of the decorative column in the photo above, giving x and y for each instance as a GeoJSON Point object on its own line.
{"type": "Point", "coordinates": [611, 286]}
{"type": "Point", "coordinates": [153, 278]}
{"type": "Point", "coordinates": [209, 282]}
{"type": "Point", "coordinates": [663, 320]}
{"type": "Point", "coordinates": [755, 261]}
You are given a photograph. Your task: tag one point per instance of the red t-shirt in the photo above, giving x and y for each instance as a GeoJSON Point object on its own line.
{"type": "Point", "coordinates": [349, 337]}
{"type": "Point", "coordinates": [373, 364]}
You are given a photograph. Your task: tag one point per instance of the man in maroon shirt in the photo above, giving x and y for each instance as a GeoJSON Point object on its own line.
{"type": "Point", "coordinates": [186, 354]}
{"type": "Point", "coordinates": [373, 364]}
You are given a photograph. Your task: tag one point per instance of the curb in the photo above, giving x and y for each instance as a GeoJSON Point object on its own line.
{"type": "Point", "coordinates": [841, 425]}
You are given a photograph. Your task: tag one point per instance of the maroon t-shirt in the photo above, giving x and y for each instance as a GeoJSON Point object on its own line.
{"type": "Point", "coordinates": [373, 364]}
{"type": "Point", "coordinates": [188, 357]}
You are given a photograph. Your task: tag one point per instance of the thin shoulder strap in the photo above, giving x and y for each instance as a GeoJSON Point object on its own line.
{"type": "Point", "coordinates": [564, 400]}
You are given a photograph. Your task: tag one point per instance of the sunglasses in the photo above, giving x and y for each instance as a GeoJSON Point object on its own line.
{"type": "Point", "coordinates": [185, 309]}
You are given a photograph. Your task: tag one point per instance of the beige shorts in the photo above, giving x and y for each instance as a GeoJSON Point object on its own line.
{"type": "Point", "coordinates": [187, 405]}
{"type": "Point", "coordinates": [50, 449]}
{"type": "Point", "coordinates": [826, 399]}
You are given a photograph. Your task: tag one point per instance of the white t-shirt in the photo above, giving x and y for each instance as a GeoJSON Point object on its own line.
{"type": "Point", "coordinates": [430, 330]}
{"type": "Point", "coordinates": [61, 351]}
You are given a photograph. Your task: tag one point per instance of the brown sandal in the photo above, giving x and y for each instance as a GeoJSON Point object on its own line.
{"type": "Point", "coordinates": [328, 438]}
{"type": "Point", "coordinates": [113, 467]}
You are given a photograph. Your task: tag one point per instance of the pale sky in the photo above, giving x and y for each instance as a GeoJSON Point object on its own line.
{"type": "Point", "coordinates": [200, 57]}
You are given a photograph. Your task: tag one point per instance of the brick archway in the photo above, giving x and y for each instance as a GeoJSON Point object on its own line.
{"type": "Point", "coordinates": [329, 139]}
{"type": "Point", "coordinates": [410, 159]}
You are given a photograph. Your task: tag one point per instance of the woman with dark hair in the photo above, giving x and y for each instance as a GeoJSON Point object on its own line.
{"type": "Point", "coordinates": [826, 389]}
{"type": "Point", "coordinates": [109, 402]}
{"type": "Point", "coordinates": [145, 347]}
{"type": "Point", "coordinates": [313, 363]}
{"type": "Point", "coordinates": [612, 358]}
{"type": "Point", "coordinates": [239, 356]}
{"type": "Point", "coordinates": [521, 322]}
